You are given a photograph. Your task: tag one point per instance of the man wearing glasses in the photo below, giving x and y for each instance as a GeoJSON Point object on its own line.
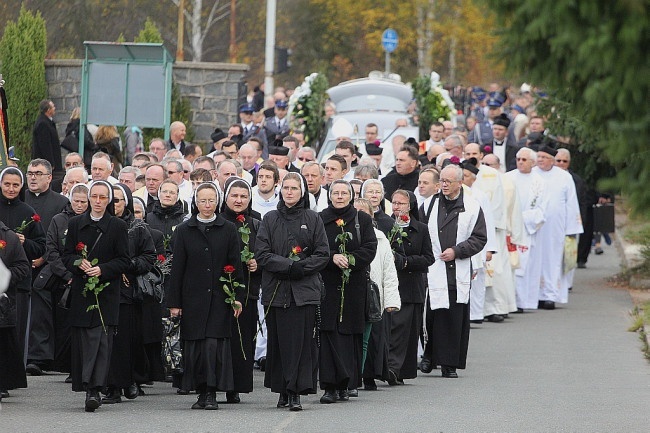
{"type": "Point", "coordinates": [46, 204]}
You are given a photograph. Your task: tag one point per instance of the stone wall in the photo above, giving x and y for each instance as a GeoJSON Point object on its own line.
{"type": "Point", "coordinates": [214, 91]}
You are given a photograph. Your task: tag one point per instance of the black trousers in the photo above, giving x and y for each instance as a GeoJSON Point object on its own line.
{"type": "Point", "coordinates": [404, 332]}
{"type": "Point", "coordinates": [448, 338]}
{"type": "Point", "coordinates": [41, 347]}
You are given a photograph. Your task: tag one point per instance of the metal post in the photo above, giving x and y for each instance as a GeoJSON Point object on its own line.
{"type": "Point", "coordinates": [387, 63]}
{"type": "Point", "coordinates": [269, 53]}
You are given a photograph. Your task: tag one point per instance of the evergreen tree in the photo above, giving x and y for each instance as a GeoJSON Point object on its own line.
{"type": "Point", "coordinates": [22, 56]}
{"type": "Point", "coordinates": [149, 34]}
{"type": "Point", "coordinates": [590, 56]}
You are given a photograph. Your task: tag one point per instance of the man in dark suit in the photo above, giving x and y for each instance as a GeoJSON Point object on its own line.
{"type": "Point", "coordinates": [250, 129]}
{"type": "Point", "coordinates": [46, 144]}
{"type": "Point", "coordinates": [177, 133]}
{"type": "Point", "coordinates": [277, 126]}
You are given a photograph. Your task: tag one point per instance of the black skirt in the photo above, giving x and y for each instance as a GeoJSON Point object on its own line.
{"type": "Point", "coordinates": [243, 368]}
{"type": "Point", "coordinates": [376, 366]}
{"type": "Point", "coordinates": [12, 369]}
{"type": "Point", "coordinates": [404, 336]}
{"type": "Point", "coordinates": [340, 360]}
{"type": "Point", "coordinates": [450, 333]}
{"type": "Point", "coordinates": [292, 350]}
{"type": "Point", "coordinates": [128, 353]}
{"type": "Point", "coordinates": [91, 357]}
{"type": "Point", "coordinates": [208, 363]}
{"type": "Point", "coordinates": [62, 334]}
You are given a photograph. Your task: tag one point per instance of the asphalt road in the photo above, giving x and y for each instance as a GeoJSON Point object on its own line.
{"type": "Point", "coordinates": [574, 369]}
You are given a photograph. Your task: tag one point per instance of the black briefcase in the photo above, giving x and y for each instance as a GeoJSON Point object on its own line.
{"type": "Point", "coordinates": [604, 218]}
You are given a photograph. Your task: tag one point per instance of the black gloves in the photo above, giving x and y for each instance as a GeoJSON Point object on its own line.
{"type": "Point", "coordinates": [296, 271]}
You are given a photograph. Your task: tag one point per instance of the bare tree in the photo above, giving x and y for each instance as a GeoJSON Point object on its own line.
{"type": "Point", "coordinates": [198, 28]}
{"type": "Point", "coordinates": [426, 14]}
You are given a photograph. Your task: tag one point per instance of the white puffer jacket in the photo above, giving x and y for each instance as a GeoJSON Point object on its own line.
{"type": "Point", "coordinates": [382, 272]}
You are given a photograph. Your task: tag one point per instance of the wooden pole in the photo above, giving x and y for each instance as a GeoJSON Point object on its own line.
{"type": "Point", "coordinates": [233, 32]}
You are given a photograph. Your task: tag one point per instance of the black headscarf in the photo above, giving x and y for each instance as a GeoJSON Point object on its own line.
{"type": "Point", "coordinates": [204, 185]}
{"type": "Point", "coordinates": [236, 182]}
{"type": "Point", "coordinates": [346, 213]}
{"type": "Point", "coordinates": [129, 212]}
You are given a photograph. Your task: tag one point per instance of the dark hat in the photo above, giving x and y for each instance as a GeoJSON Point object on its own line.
{"type": "Point", "coordinates": [373, 148]}
{"type": "Point", "coordinates": [246, 108]}
{"type": "Point", "coordinates": [217, 135]}
{"type": "Point", "coordinates": [277, 142]}
{"type": "Point", "coordinates": [479, 93]}
{"type": "Point", "coordinates": [470, 164]}
{"type": "Point", "coordinates": [281, 103]}
{"type": "Point", "coordinates": [496, 99]}
{"type": "Point", "coordinates": [278, 150]}
{"type": "Point", "coordinates": [546, 148]}
{"type": "Point", "coordinates": [11, 154]}
{"type": "Point", "coordinates": [502, 120]}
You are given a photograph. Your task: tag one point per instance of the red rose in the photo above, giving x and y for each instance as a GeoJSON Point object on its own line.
{"type": "Point", "coordinates": [241, 218]}
{"type": "Point", "coordinates": [161, 258]}
{"type": "Point", "coordinates": [229, 269]}
{"type": "Point", "coordinates": [80, 247]}
{"type": "Point", "coordinates": [454, 160]}
{"type": "Point", "coordinates": [296, 249]}
{"type": "Point", "coordinates": [36, 217]}
{"type": "Point", "coordinates": [3, 244]}
{"type": "Point", "coordinates": [404, 218]}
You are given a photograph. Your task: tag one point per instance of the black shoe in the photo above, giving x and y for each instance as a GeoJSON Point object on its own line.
{"type": "Point", "coordinates": [400, 381]}
{"type": "Point", "coordinates": [392, 378]}
{"type": "Point", "coordinates": [112, 396]}
{"type": "Point", "coordinates": [131, 392]}
{"type": "Point", "coordinates": [369, 384]}
{"type": "Point", "coordinates": [182, 391]}
{"type": "Point", "coordinates": [519, 311]}
{"type": "Point", "coordinates": [547, 305]}
{"type": "Point", "coordinates": [598, 250]}
{"type": "Point", "coordinates": [68, 379]}
{"type": "Point", "coordinates": [294, 403]}
{"type": "Point", "coordinates": [92, 401]}
{"type": "Point", "coordinates": [476, 322]}
{"type": "Point", "coordinates": [33, 370]}
{"type": "Point", "coordinates": [425, 365]}
{"type": "Point", "coordinates": [232, 397]}
{"type": "Point", "coordinates": [353, 392]}
{"type": "Point", "coordinates": [200, 402]}
{"type": "Point", "coordinates": [582, 265]}
{"type": "Point", "coordinates": [329, 397]}
{"type": "Point", "coordinates": [494, 318]}
{"type": "Point", "coordinates": [211, 401]}
{"type": "Point", "coordinates": [343, 395]}
{"type": "Point", "coordinates": [140, 391]}
{"type": "Point", "coordinates": [262, 363]}
{"type": "Point", "coordinates": [4, 393]}
{"type": "Point", "coordinates": [449, 372]}
{"type": "Point", "coordinates": [283, 401]}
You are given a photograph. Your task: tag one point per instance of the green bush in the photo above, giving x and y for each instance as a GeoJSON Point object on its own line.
{"type": "Point", "coordinates": [22, 57]}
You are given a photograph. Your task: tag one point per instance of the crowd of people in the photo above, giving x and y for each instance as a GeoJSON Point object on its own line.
{"type": "Point", "coordinates": [269, 259]}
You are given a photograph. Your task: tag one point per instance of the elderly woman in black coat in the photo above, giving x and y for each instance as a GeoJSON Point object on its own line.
{"type": "Point", "coordinates": [128, 351]}
{"type": "Point", "coordinates": [12, 368]}
{"type": "Point", "coordinates": [292, 248]}
{"type": "Point", "coordinates": [344, 308]}
{"type": "Point", "coordinates": [95, 235]}
{"type": "Point", "coordinates": [237, 209]}
{"type": "Point", "coordinates": [55, 244]}
{"type": "Point", "coordinates": [405, 324]}
{"type": "Point", "coordinates": [206, 249]}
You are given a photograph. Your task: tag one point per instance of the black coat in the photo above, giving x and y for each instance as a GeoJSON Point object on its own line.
{"type": "Point", "coordinates": [55, 244]}
{"type": "Point", "coordinates": [112, 253]}
{"type": "Point", "coordinates": [46, 205]}
{"type": "Point", "coordinates": [394, 181]}
{"type": "Point", "coordinates": [385, 224]}
{"type": "Point", "coordinates": [274, 243]}
{"type": "Point", "coordinates": [142, 253]}
{"type": "Point", "coordinates": [253, 224]}
{"type": "Point", "coordinates": [165, 219]}
{"type": "Point", "coordinates": [14, 258]}
{"type": "Point", "coordinates": [419, 256]}
{"type": "Point", "coordinates": [45, 142]}
{"type": "Point", "coordinates": [199, 260]}
{"type": "Point", "coordinates": [13, 213]}
{"type": "Point", "coordinates": [363, 250]}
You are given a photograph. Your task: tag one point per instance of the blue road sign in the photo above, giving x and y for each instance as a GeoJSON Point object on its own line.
{"type": "Point", "coordinates": [389, 40]}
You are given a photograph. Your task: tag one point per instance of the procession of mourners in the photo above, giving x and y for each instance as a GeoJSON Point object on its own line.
{"type": "Point", "coordinates": [333, 274]}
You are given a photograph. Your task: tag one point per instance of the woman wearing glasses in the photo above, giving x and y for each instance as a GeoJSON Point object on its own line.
{"type": "Point", "coordinates": [206, 249]}
{"type": "Point", "coordinates": [97, 245]}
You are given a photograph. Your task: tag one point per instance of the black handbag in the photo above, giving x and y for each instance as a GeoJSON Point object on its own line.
{"type": "Point", "coordinates": [373, 301]}
{"type": "Point", "coordinates": [151, 284]}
